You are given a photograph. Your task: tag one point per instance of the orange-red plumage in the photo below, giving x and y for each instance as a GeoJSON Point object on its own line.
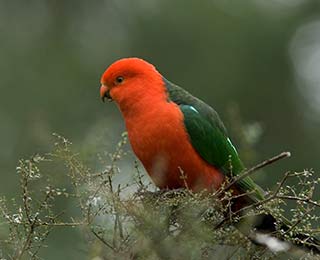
{"type": "Point", "coordinates": [155, 127]}
{"type": "Point", "coordinates": [159, 139]}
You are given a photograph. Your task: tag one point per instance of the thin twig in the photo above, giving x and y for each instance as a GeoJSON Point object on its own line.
{"type": "Point", "coordinates": [306, 200]}
{"type": "Point", "coordinates": [258, 203]}
{"type": "Point", "coordinates": [254, 169]}
{"type": "Point", "coordinates": [102, 240]}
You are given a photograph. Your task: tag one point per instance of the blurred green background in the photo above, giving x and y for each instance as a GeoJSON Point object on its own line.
{"type": "Point", "coordinates": [260, 56]}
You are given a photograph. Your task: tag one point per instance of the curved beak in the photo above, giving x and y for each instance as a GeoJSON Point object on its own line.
{"type": "Point", "coordinates": [105, 93]}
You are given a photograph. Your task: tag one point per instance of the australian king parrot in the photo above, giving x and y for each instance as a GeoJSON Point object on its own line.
{"type": "Point", "coordinates": [173, 133]}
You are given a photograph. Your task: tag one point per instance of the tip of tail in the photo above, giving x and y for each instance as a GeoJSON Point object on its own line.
{"type": "Point", "coordinates": [274, 244]}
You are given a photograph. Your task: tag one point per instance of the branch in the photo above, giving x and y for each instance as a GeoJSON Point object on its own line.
{"type": "Point", "coordinates": [306, 200]}
{"type": "Point", "coordinates": [254, 169]}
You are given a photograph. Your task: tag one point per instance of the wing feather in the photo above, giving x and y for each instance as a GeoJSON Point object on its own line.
{"type": "Point", "coordinates": [209, 137]}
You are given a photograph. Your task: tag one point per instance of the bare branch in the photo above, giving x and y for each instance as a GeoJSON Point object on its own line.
{"type": "Point", "coordinates": [259, 166]}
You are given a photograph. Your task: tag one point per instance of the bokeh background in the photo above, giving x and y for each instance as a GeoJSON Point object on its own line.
{"type": "Point", "coordinates": [258, 59]}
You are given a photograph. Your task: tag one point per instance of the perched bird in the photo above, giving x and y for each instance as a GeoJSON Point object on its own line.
{"type": "Point", "coordinates": [172, 132]}
{"type": "Point", "coordinates": [180, 140]}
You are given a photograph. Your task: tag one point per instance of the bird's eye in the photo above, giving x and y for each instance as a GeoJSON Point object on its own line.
{"type": "Point", "coordinates": [119, 79]}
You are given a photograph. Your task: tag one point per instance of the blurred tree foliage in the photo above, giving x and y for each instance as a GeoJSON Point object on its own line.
{"type": "Point", "coordinates": [234, 55]}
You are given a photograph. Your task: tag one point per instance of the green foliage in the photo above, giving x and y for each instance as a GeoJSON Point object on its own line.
{"type": "Point", "coordinates": [135, 221]}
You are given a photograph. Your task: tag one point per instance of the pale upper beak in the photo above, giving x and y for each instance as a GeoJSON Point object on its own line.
{"type": "Point", "coordinates": [105, 93]}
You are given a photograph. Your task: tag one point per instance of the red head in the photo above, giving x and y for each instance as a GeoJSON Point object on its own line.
{"type": "Point", "coordinates": [132, 82]}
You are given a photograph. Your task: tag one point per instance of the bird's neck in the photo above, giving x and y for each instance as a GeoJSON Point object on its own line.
{"type": "Point", "coordinates": [150, 100]}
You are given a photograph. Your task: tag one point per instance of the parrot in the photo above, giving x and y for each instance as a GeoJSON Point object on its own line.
{"type": "Point", "coordinates": [179, 139]}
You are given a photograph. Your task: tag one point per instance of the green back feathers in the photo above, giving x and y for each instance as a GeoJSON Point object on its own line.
{"type": "Point", "coordinates": [209, 136]}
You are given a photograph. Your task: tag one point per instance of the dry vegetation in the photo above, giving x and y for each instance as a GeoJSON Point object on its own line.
{"type": "Point", "coordinates": [136, 221]}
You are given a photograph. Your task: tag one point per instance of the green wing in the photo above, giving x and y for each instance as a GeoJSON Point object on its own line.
{"type": "Point", "coordinates": [209, 137]}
